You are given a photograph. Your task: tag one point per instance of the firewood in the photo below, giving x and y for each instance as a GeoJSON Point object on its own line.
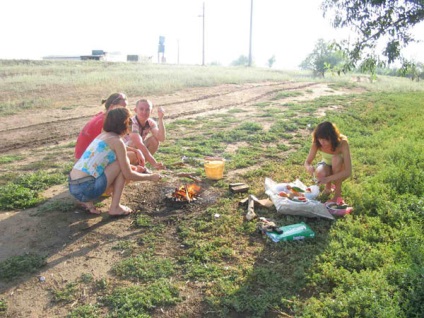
{"type": "Point", "coordinates": [239, 187]}
{"type": "Point", "coordinates": [250, 209]}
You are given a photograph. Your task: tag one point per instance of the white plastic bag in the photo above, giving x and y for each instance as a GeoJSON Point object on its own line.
{"type": "Point", "coordinates": [309, 208]}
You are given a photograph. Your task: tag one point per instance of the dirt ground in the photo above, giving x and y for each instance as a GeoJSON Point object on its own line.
{"type": "Point", "coordinates": [77, 242]}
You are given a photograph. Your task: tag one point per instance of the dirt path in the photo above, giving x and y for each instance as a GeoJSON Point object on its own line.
{"type": "Point", "coordinates": [55, 126]}
{"type": "Point", "coordinates": [77, 243]}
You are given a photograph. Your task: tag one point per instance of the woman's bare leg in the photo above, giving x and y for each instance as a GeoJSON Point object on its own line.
{"type": "Point", "coordinates": [118, 187]}
{"type": "Point", "coordinates": [337, 165]}
{"type": "Point", "coordinates": [116, 179]}
{"type": "Point", "coordinates": [321, 172]}
{"type": "Point", "coordinates": [89, 206]}
{"type": "Point", "coordinates": [152, 144]}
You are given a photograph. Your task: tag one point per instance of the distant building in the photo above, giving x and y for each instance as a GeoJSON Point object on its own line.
{"type": "Point", "coordinates": [139, 58]}
{"type": "Point", "coordinates": [96, 55]}
{"type": "Point", "coordinates": [62, 58]}
{"type": "Point", "coordinates": [100, 55]}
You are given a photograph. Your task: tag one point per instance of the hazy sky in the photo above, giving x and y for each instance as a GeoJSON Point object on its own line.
{"type": "Point", "coordinates": [286, 29]}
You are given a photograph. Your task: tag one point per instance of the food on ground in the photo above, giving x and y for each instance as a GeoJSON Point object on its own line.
{"type": "Point", "coordinates": [294, 193]}
{"type": "Point", "coordinates": [297, 189]}
{"type": "Point", "coordinates": [337, 207]}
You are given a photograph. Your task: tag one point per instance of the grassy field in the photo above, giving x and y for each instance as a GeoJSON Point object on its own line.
{"type": "Point", "coordinates": [367, 264]}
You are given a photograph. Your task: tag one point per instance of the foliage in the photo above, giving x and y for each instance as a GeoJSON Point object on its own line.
{"type": "Point", "coordinates": [144, 268]}
{"type": "Point", "coordinates": [10, 158]}
{"type": "Point", "coordinates": [413, 70]}
{"type": "Point", "coordinates": [24, 191]}
{"type": "Point", "coordinates": [373, 263]}
{"type": "Point", "coordinates": [16, 266]}
{"type": "Point", "coordinates": [3, 306]}
{"type": "Point", "coordinates": [66, 294]}
{"type": "Point", "coordinates": [368, 264]}
{"type": "Point", "coordinates": [388, 21]}
{"type": "Point", "coordinates": [243, 60]}
{"type": "Point", "coordinates": [137, 301]}
{"type": "Point", "coordinates": [54, 206]}
{"type": "Point", "coordinates": [271, 61]}
{"type": "Point", "coordinates": [323, 58]}
{"type": "Point", "coordinates": [85, 311]}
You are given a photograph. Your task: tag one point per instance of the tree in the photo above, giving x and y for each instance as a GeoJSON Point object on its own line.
{"type": "Point", "coordinates": [375, 21]}
{"type": "Point", "coordinates": [271, 61]}
{"type": "Point", "coordinates": [413, 70]}
{"type": "Point", "coordinates": [243, 60]}
{"type": "Point", "coordinates": [323, 58]}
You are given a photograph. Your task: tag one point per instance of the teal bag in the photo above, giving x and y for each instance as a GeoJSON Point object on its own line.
{"type": "Point", "coordinates": [292, 232]}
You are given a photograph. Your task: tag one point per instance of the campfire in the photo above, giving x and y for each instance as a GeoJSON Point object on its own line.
{"type": "Point", "coordinates": [186, 193]}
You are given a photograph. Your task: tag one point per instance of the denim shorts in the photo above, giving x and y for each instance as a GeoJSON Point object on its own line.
{"type": "Point", "coordinates": [88, 188]}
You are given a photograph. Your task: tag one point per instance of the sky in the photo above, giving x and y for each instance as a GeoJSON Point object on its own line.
{"type": "Point", "coordinates": [288, 30]}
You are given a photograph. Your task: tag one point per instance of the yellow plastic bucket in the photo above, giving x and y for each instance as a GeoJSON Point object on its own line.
{"type": "Point", "coordinates": [214, 169]}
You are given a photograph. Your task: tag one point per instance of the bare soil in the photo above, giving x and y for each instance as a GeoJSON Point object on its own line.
{"type": "Point", "coordinates": [78, 242]}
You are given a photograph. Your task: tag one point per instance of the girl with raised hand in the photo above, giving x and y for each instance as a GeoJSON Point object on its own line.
{"type": "Point", "coordinates": [105, 164]}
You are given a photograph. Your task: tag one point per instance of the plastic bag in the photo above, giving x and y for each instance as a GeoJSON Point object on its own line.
{"type": "Point", "coordinates": [292, 232]}
{"type": "Point", "coordinates": [308, 208]}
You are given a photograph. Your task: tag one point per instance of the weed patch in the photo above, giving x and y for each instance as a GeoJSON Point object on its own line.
{"type": "Point", "coordinates": [137, 301]}
{"type": "Point", "coordinates": [24, 192]}
{"type": "Point", "coordinates": [20, 265]}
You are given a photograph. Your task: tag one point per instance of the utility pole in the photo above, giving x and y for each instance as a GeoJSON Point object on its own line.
{"type": "Point", "coordinates": [203, 36]}
{"type": "Point", "coordinates": [178, 51]}
{"type": "Point", "coordinates": [250, 38]}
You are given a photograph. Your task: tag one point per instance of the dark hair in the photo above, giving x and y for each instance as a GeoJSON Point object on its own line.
{"type": "Point", "coordinates": [113, 99]}
{"type": "Point", "coordinates": [117, 120]}
{"type": "Point", "coordinates": [328, 131]}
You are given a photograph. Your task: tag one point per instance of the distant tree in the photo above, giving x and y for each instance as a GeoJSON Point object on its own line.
{"type": "Point", "coordinates": [323, 58]}
{"type": "Point", "coordinates": [413, 70]}
{"type": "Point", "coordinates": [271, 61]}
{"type": "Point", "coordinates": [215, 63]}
{"type": "Point", "coordinates": [243, 60]}
{"type": "Point", "coordinates": [387, 21]}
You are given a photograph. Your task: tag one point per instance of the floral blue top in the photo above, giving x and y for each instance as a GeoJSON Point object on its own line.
{"type": "Point", "coordinates": [96, 158]}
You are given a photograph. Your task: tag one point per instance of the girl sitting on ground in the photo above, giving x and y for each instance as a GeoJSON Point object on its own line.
{"type": "Point", "coordinates": [105, 164]}
{"type": "Point", "coordinates": [335, 165]}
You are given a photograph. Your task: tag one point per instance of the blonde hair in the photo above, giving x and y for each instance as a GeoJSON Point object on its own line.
{"type": "Point", "coordinates": [146, 101]}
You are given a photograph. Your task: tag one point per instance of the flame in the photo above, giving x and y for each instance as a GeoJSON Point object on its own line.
{"type": "Point", "coordinates": [186, 193]}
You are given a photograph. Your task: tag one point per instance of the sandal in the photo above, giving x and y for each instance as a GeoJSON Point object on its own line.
{"type": "Point", "coordinates": [127, 211]}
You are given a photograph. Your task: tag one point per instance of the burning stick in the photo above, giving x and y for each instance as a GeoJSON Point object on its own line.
{"type": "Point", "coordinates": [186, 193]}
{"type": "Point", "coordinates": [187, 196]}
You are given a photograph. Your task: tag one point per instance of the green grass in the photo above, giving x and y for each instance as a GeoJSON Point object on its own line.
{"type": "Point", "coordinates": [24, 191]}
{"type": "Point", "coordinates": [9, 159]}
{"type": "Point", "coordinates": [85, 311]}
{"type": "Point", "coordinates": [367, 264]}
{"type": "Point", "coordinates": [3, 306]}
{"type": "Point", "coordinates": [144, 268]}
{"type": "Point", "coordinates": [137, 301]}
{"type": "Point", "coordinates": [67, 294]}
{"type": "Point", "coordinates": [282, 95]}
{"type": "Point", "coordinates": [16, 266]}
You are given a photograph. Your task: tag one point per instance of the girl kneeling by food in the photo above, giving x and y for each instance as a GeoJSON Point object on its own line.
{"type": "Point", "coordinates": [335, 165]}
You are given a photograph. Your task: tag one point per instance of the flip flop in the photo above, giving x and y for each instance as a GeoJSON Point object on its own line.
{"type": "Point", "coordinates": [127, 211]}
